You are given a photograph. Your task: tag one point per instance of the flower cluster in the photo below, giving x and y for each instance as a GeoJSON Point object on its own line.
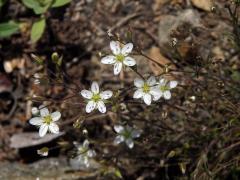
{"type": "Point", "coordinates": [152, 90]}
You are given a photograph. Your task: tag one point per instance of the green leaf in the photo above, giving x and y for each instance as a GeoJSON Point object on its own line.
{"type": "Point", "coordinates": [59, 3]}
{"type": "Point", "coordinates": [31, 3]}
{"type": "Point", "coordinates": [39, 7]}
{"type": "Point", "coordinates": [8, 28]}
{"type": "Point", "coordinates": [38, 30]}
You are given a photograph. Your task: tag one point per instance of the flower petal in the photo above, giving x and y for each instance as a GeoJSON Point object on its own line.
{"type": "Point", "coordinates": [130, 143]}
{"type": "Point", "coordinates": [167, 95]}
{"type": "Point", "coordinates": [128, 61]}
{"type": "Point", "coordinates": [86, 143]}
{"type": "Point", "coordinates": [147, 99]}
{"type": "Point", "coordinates": [151, 81]}
{"type": "Point", "coordinates": [44, 111]}
{"type": "Point", "coordinates": [136, 133]}
{"type": "Point", "coordinates": [118, 139]}
{"type": "Point", "coordinates": [162, 82]}
{"type": "Point", "coordinates": [56, 116]}
{"type": "Point", "coordinates": [86, 94]}
{"type": "Point", "coordinates": [108, 59]}
{"type": "Point", "coordinates": [117, 68]}
{"type": "Point", "coordinates": [106, 94]}
{"type": "Point", "coordinates": [43, 130]}
{"type": "Point", "coordinates": [90, 106]}
{"type": "Point", "coordinates": [118, 128]}
{"type": "Point", "coordinates": [95, 87]}
{"type": "Point", "coordinates": [127, 49]}
{"type": "Point", "coordinates": [91, 153]}
{"type": "Point", "coordinates": [155, 91]}
{"type": "Point", "coordinates": [101, 106]}
{"type": "Point", "coordinates": [36, 121]}
{"type": "Point", "coordinates": [53, 127]}
{"type": "Point", "coordinates": [173, 84]}
{"type": "Point", "coordinates": [138, 94]}
{"type": "Point", "coordinates": [157, 97]}
{"type": "Point", "coordinates": [115, 47]}
{"type": "Point", "coordinates": [138, 82]}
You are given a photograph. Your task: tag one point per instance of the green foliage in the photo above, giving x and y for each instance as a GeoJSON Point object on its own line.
{"type": "Point", "coordinates": [38, 29]}
{"type": "Point", "coordinates": [41, 6]}
{"type": "Point", "coordinates": [59, 3]}
{"type": "Point", "coordinates": [8, 28]}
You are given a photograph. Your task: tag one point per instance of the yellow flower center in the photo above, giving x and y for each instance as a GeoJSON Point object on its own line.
{"type": "Point", "coordinates": [47, 119]}
{"type": "Point", "coordinates": [120, 57]}
{"type": "Point", "coordinates": [96, 97]}
{"type": "Point", "coordinates": [164, 88]}
{"type": "Point", "coordinates": [146, 88]}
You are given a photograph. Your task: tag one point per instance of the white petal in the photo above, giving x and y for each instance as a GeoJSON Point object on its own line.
{"type": "Point", "coordinates": [118, 139]}
{"type": "Point", "coordinates": [128, 61]}
{"type": "Point", "coordinates": [130, 143]}
{"type": "Point", "coordinates": [138, 82]}
{"type": "Point", "coordinates": [53, 127]}
{"type": "Point", "coordinates": [95, 87]}
{"type": "Point", "coordinates": [173, 84]}
{"type": "Point", "coordinates": [162, 82]}
{"type": "Point", "coordinates": [36, 121]}
{"type": "Point", "coordinates": [155, 91]}
{"type": "Point", "coordinates": [44, 112]}
{"type": "Point", "coordinates": [56, 116]}
{"type": "Point", "coordinates": [167, 95]}
{"type": "Point", "coordinates": [86, 143]}
{"type": "Point", "coordinates": [91, 153]}
{"type": "Point", "coordinates": [157, 97]}
{"type": "Point", "coordinates": [127, 49]}
{"type": "Point", "coordinates": [118, 128]}
{"type": "Point", "coordinates": [90, 106]}
{"type": "Point", "coordinates": [108, 60]}
{"type": "Point", "coordinates": [101, 106]}
{"type": "Point", "coordinates": [147, 99]}
{"type": "Point", "coordinates": [151, 81]}
{"type": "Point", "coordinates": [115, 47]}
{"type": "Point", "coordinates": [43, 130]}
{"type": "Point", "coordinates": [106, 94]}
{"type": "Point", "coordinates": [136, 133]}
{"type": "Point", "coordinates": [138, 94]}
{"type": "Point", "coordinates": [86, 94]}
{"type": "Point", "coordinates": [117, 68]}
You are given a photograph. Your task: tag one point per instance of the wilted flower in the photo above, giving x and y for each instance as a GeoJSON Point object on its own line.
{"type": "Point", "coordinates": [146, 89]}
{"type": "Point", "coordinates": [96, 98]}
{"type": "Point", "coordinates": [126, 134]}
{"type": "Point", "coordinates": [43, 151]}
{"type": "Point", "coordinates": [84, 153]}
{"type": "Point", "coordinates": [164, 86]}
{"type": "Point", "coordinates": [46, 121]}
{"type": "Point", "coordinates": [119, 57]}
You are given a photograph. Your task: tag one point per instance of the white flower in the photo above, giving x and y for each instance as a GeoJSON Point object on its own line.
{"type": "Point", "coordinates": [146, 89]}
{"type": "Point", "coordinates": [119, 57]}
{"type": "Point", "coordinates": [165, 86]}
{"type": "Point", "coordinates": [96, 98]}
{"type": "Point", "coordinates": [84, 153]}
{"type": "Point", "coordinates": [126, 134]}
{"type": "Point", "coordinates": [46, 122]}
